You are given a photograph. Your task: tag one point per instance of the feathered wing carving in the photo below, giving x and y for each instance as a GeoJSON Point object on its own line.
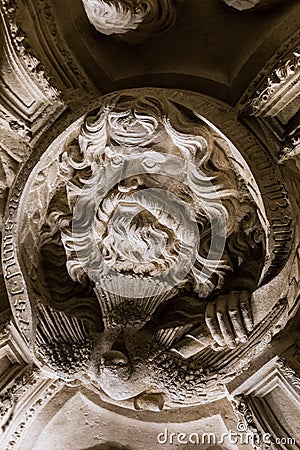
{"type": "Point", "coordinates": [62, 341]}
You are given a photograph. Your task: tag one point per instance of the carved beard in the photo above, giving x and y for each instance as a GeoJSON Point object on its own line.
{"type": "Point", "coordinates": [138, 239]}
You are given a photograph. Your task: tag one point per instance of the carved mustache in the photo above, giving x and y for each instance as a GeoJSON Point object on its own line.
{"type": "Point", "coordinates": [168, 214]}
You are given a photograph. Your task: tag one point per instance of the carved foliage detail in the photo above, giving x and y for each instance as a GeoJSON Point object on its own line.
{"type": "Point", "coordinates": [280, 76]}
{"type": "Point", "coordinates": [10, 397]}
{"type": "Point", "coordinates": [291, 149]}
{"type": "Point", "coordinates": [32, 411]}
{"type": "Point", "coordinates": [22, 48]}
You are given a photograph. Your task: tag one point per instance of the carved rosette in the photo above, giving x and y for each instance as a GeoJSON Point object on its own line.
{"type": "Point", "coordinates": [132, 20]}
{"type": "Point", "coordinates": [97, 286]}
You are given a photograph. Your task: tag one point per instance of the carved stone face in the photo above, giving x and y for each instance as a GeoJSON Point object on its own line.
{"type": "Point", "coordinates": [156, 220]}
{"type": "Point", "coordinates": [153, 197]}
{"type": "Point", "coordinates": [137, 232]}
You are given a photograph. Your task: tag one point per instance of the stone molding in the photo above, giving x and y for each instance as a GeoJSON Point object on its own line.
{"type": "Point", "coordinates": [20, 44]}
{"type": "Point", "coordinates": [284, 54]}
{"type": "Point", "coordinates": [288, 372]}
{"type": "Point", "coordinates": [38, 392]}
{"type": "Point", "coordinates": [254, 399]}
{"type": "Point", "coordinates": [242, 5]}
{"type": "Point", "coordinates": [61, 63]}
{"type": "Point", "coordinates": [279, 88]}
{"type": "Point", "coordinates": [40, 101]}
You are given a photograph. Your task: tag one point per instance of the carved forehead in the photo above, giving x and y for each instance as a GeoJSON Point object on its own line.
{"type": "Point", "coordinates": [157, 106]}
{"type": "Point", "coordinates": [132, 121]}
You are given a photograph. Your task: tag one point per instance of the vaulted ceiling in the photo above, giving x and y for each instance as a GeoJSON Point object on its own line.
{"type": "Point", "coordinates": [212, 48]}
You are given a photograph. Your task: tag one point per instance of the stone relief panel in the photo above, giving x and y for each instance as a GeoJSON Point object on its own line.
{"type": "Point", "coordinates": [132, 20]}
{"type": "Point", "coordinates": [143, 241]}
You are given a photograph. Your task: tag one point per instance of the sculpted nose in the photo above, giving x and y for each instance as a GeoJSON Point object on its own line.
{"type": "Point", "coordinates": [129, 184]}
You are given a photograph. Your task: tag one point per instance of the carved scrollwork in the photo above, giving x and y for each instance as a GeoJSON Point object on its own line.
{"type": "Point", "coordinates": [131, 20]}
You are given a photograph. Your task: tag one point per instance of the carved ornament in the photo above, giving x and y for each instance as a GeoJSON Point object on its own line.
{"type": "Point", "coordinates": [291, 149]}
{"type": "Point", "coordinates": [145, 243]}
{"type": "Point", "coordinates": [247, 424]}
{"type": "Point", "coordinates": [10, 396]}
{"type": "Point", "coordinates": [21, 46]}
{"type": "Point", "coordinates": [278, 88]}
{"type": "Point", "coordinates": [40, 102]}
{"type": "Point", "coordinates": [288, 372]}
{"type": "Point", "coordinates": [242, 5]}
{"type": "Point", "coordinates": [132, 20]}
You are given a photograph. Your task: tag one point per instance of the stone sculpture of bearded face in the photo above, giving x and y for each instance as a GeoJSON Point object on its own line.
{"type": "Point", "coordinates": [158, 192]}
{"type": "Point", "coordinates": [160, 221]}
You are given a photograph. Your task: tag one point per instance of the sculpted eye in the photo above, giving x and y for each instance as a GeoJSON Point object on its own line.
{"type": "Point", "coordinates": [116, 160]}
{"type": "Point", "coordinates": [149, 163]}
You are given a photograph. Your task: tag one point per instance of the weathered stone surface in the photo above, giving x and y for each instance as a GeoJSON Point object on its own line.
{"type": "Point", "coordinates": [150, 240]}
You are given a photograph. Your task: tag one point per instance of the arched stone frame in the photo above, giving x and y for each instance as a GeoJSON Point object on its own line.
{"type": "Point", "coordinates": [275, 312]}
{"type": "Point", "coordinates": [51, 400]}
